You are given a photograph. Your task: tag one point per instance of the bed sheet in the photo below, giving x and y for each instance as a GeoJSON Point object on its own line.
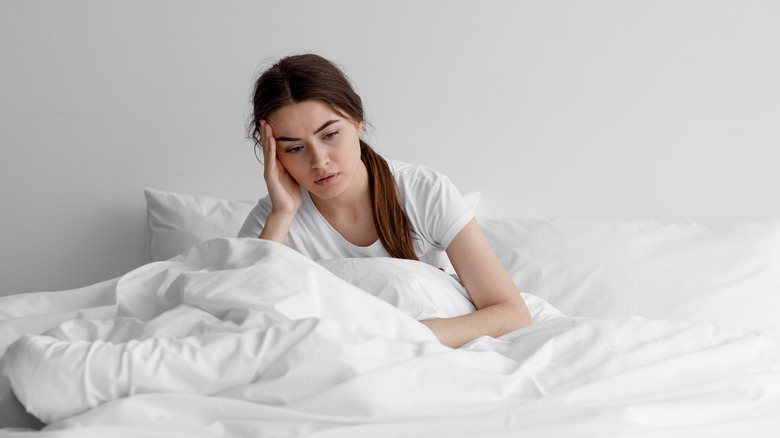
{"type": "Point", "coordinates": [241, 337]}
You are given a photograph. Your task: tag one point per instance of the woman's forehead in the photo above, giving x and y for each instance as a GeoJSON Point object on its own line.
{"type": "Point", "coordinates": [303, 114]}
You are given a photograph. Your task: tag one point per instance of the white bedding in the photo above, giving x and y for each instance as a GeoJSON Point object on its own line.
{"type": "Point", "coordinates": [242, 337]}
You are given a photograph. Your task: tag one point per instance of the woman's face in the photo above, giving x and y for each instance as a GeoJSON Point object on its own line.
{"type": "Point", "coordinates": [319, 147]}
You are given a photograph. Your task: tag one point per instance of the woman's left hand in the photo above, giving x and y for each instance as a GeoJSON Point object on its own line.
{"type": "Point", "coordinates": [500, 307]}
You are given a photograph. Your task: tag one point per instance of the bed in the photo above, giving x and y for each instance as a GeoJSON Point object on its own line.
{"type": "Point", "coordinates": [641, 328]}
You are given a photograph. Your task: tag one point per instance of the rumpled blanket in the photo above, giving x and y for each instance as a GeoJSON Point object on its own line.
{"type": "Point", "coordinates": [243, 337]}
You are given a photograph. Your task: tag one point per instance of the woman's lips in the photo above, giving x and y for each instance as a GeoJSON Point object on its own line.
{"type": "Point", "coordinates": [327, 180]}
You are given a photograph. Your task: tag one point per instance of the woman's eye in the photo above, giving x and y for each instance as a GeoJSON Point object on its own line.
{"type": "Point", "coordinates": [294, 149]}
{"type": "Point", "coordinates": [331, 135]}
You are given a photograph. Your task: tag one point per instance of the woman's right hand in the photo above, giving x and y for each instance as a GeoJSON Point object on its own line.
{"type": "Point", "coordinates": [284, 190]}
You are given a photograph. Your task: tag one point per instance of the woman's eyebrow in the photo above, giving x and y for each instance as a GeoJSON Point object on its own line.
{"type": "Point", "coordinates": [324, 125]}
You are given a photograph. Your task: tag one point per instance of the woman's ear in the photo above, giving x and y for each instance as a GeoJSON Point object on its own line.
{"type": "Point", "coordinates": [360, 128]}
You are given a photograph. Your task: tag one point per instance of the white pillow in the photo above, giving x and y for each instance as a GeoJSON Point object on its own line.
{"type": "Point", "coordinates": [418, 289]}
{"type": "Point", "coordinates": [712, 273]}
{"type": "Point", "coordinates": [175, 221]}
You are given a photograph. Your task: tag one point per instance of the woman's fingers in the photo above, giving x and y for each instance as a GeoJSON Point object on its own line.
{"type": "Point", "coordinates": [284, 190]}
{"type": "Point", "coordinates": [267, 137]}
{"type": "Point", "coordinates": [269, 148]}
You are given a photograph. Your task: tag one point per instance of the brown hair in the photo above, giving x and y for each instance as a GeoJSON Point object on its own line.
{"type": "Point", "coordinates": [311, 77]}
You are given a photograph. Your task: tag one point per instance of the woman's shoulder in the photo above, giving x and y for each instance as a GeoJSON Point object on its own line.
{"type": "Point", "coordinates": [414, 173]}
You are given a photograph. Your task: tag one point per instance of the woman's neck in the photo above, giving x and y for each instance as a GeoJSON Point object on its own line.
{"type": "Point", "coordinates": [354, 202]}
{"type": "Point", "coordinates": [351, 213]}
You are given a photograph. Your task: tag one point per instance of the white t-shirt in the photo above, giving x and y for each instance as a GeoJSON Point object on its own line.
{"type": "Point", "coordinates": [434, 206]}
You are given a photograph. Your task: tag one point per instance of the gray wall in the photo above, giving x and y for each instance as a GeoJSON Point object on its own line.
{"type": "Point", "coordinates": [589, 109]}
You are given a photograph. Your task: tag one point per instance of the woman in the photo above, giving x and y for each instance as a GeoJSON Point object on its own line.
{"type": "Point", "coordinates": [331, 196]}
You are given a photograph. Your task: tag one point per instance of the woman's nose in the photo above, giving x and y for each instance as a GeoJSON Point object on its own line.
{"type": "Point", "coordinates": [319, 156]}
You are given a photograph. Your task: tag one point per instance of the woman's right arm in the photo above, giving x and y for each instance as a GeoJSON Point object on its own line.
{"type": "Point", "coordinates": [276, 227]}
{"type": "Point", "coordinates": [284, 191]}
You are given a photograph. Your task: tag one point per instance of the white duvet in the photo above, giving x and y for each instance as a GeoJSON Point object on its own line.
{"type": "Point", "coordinates": [243, 337]}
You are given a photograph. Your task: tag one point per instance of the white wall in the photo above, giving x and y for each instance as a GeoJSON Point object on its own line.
{"type": "Point", "coordinates": [611, 109]}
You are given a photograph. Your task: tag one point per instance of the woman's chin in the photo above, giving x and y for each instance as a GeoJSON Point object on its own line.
{"type": "Point", "coordinates": [325, 193]}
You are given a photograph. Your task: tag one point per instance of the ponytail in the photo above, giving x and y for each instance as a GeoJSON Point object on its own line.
{"type": "Point", "coordinates": [390, 220]}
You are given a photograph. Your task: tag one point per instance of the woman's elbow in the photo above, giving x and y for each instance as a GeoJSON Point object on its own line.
{"type": "Point", "coordinates": [515, 317]}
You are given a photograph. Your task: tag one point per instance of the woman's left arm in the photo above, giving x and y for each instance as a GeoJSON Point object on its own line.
{"type": "Point", "coordinates": [500, 308]}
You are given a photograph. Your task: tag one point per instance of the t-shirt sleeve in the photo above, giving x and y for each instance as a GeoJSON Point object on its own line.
{"type": "Point", "coordinates": [255, 221]}
{"type": "Point", "coordinates": [438, 209]}
{"type": "Point", "coordinates": [453, 215]}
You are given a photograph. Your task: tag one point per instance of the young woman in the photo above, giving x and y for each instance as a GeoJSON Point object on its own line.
{"type": "Point", "coordinates": [331, 196]}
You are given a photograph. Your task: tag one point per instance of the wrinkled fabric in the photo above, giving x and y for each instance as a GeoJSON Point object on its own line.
{"type": "Point", "coordinates": [242, 337]}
